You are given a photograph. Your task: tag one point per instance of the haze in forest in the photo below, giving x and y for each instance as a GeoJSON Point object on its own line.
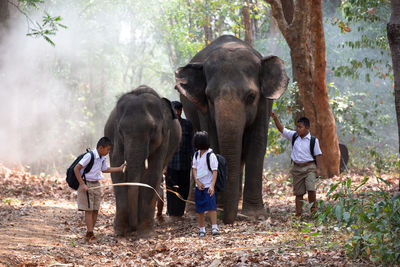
{"type": "Point", "coordinates": [54, 101]}
{"type": "Point", "coordinates": [41, 121]}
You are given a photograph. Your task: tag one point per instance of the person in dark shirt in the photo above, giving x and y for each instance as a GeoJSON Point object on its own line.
{"type": "Point", "coordinates": [178, 172]}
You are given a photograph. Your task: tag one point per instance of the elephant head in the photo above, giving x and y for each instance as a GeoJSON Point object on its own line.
{"type": "Point", "coordinates": [229, 82]}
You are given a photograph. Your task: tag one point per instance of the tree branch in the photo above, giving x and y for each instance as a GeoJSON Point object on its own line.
{"type": "Point", "coordinates": [277, 12]}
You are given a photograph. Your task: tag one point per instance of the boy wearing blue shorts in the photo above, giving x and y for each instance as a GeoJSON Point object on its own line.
{"type": "Point", "coordinates": [205, 198]}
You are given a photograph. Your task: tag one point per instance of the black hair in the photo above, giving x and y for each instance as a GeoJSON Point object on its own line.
{"type": "Point", "coordinates": [104, 142]}
{"type": "Point", "coordinates": [305, 121]}
{"type": "Point", "coordinates": [200, 140]}
{"type": "Point", "coordinates": [176, 104]}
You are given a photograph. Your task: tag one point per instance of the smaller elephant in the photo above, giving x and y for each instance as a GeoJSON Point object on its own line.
{"type": "Point", "coordinates": [146, 133]}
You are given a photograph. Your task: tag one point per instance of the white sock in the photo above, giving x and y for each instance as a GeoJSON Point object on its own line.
{"type": "Point", "coordinates": [214, 226]}
{"type": "Point", "coordinates": [202, 229]}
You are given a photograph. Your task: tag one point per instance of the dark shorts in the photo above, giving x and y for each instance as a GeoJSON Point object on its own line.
{"type": "Point", "coordinates": [204, 202]}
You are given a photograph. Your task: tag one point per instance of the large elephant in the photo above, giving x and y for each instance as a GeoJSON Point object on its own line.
{"type": "Point", "coordinates": [146, 133]}
{"type": "Point", "coordinates": [228, 89]}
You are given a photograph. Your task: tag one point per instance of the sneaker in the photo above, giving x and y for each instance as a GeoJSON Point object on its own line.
{"type": "Point", "coordinates": [202, 234]}
{"type": "Point", "coordinates": [215, 231]}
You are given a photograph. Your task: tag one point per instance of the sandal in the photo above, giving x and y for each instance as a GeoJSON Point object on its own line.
{"type": "Point", "coordinates": [215, 231]}
{"type": "Point", "coordinates": [202, 234]}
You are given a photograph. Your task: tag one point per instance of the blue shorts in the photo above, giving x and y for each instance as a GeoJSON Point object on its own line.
{"type": "Point", "coordinates": [203, 200]}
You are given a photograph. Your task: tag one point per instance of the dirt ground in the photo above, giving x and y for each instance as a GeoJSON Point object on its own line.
{"type": "Point", "coordinates": [40, 226]}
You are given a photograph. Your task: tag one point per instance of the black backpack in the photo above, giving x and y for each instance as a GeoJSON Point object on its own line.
{"type": "Point", "coordinates": [71, 177]}
{"type": "Point", "coordinates": [312, 144]}
{"type": "Point", "coordinates": [222, 170]}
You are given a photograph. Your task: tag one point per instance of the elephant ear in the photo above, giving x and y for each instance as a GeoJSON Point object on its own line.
{"type": "Point", "coordinates": [171, 108]}
{"type": "Point", "coordinates": [191, 82]}
{"type": "Point", "coordinates": [274, 80]}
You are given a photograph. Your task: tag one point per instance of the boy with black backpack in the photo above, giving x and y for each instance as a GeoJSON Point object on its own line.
{"type": "Point", "coordinates": [306, 156]}
{"type": "Point", "coordinates": [89, 200]}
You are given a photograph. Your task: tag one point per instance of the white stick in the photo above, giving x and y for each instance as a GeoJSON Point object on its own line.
{"type": "Point", "coordinates": [128, 184]}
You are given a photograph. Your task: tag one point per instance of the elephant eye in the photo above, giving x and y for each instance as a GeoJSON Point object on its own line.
{"type": "Point", "coordinates": [250, 98]}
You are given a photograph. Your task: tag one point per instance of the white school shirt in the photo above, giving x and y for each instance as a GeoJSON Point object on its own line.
{"type": "Point", "coordinates": [203, 174]}
{"type": "Point", "coordinates": [301, 148]}
{"type": "Point", "coordinates": [99, 165]}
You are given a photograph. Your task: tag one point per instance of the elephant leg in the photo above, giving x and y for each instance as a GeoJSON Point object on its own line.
{"type": "Point", "coordinates": [121, 220]}
{"type": "Point", "coordinates": [190, 208]}
{"type": "Point", "coordinates": [147, 197]}
{"type": "Point", "coordinates": [255, 147]}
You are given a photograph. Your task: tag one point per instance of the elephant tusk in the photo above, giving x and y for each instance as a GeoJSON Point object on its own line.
{"type": "Point", "coordinates": [124, 168]}
{"type": "Point", "coordinates": [146, 164]}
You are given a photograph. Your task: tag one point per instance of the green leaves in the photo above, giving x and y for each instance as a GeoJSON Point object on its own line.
{"type": "Point", "coordinates": [368, 18]}
{"type": "Point", "coordinates": [372, 219]}
{"type": "Point", "coordinates": [49, 25]}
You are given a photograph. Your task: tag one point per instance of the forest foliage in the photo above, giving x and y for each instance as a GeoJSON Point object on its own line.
{"type": "Point", "coordinates": [124, 43]}
{"type": "Point", "coordinates": [98, 50]}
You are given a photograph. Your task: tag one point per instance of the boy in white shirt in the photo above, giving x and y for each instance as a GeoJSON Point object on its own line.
{"type": "Point", "coordinates": [305, 164]}
{"type": "Point", "coordinates": [205, 198]}
{"type": "Point", "coordinates": [89, 200]}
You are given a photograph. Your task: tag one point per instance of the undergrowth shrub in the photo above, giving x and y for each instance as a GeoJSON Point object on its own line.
{"type": "Point", "coordinates": [371, 218]}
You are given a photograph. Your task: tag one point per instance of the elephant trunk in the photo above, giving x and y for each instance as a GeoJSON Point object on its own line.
{"type": "Point", "coordinates": [136, 155]}
{"type": "Point", "coordinates": [230, 127]}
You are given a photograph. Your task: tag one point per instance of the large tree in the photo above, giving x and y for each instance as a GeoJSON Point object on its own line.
{"type": "Point", "coordinates": [393, 33]}
{"type": "Point", "coordinates": [305, 37]}
{"type": "Point", "coordinates": [4, 13]}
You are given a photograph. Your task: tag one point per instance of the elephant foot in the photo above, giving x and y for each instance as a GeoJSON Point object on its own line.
{"type": "Point", "coordinates": [123, 230]}
{"type": "Point", "coordinates": [254, 214]}
{"type": "Point", "coordinates": [160, 219]}
{"type": "Point", "coordinates": [145, 234]}
{"type": "Point", "coordinates": [145, 228]}
{"type": "Point", "coordinates": [120, 232]}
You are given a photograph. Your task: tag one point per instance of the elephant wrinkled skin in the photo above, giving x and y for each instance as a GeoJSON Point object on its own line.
{"type": "Point", "coordinates": [228, 89]}
{"type": "Point", "coordinates": [145, 131]}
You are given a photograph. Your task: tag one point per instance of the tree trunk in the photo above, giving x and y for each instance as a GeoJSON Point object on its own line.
{"type": "Point", "coordinates": [248, 38]}
{"type": "Point", "coordinates": [393, 34]}
{"type": "Point", "coordinates": [254, 21]}
{"type": "Point", "coordinates": [307, 51]}
{"type": "Point", "coordinates": [288, 10]}
{"type": "Point", "coordinates": [207, 31]}
{"type": "Point", "coordinates": [324, 124]}
{"type": "Point", "coordinates": [4, 14]}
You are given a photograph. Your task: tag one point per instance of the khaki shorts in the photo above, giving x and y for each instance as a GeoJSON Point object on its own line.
{"type": "Point", "coordinates": [303, 179]}
{"type": "Point", "coordinates": [94, 197]}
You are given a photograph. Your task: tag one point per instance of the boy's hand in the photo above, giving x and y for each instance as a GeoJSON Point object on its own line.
{"type": "Point", "coordinates": [122, 167]}
{"type": "Point", "coordinates": [200, 186]}
{"type": "Point", "coordinates": [211, 190]}
{"type": "Point", "coordinates": [84, 187]}
{"type": "Point", "coordinates": [273, 115]}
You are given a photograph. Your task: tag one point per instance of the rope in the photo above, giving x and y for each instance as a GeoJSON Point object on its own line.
{"type": "Point", "coordinates": [191, 202]}
{"type": "Point", "coordinates": [148, 186]}
{"type": "Point", "coordinates": [128, 184]}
